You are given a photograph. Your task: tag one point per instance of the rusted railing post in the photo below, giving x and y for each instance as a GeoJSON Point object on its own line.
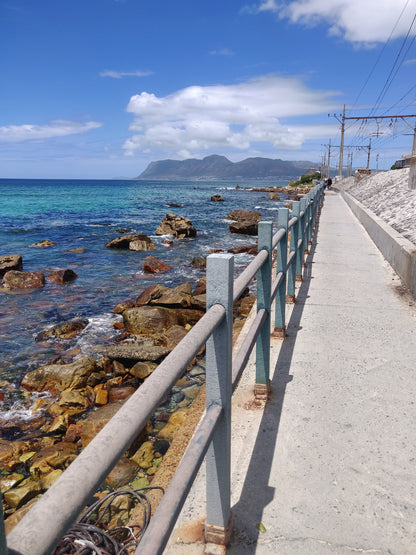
{"type": "Point", "coordinates": [291, 280]}
{"type": "Point", "coordinates": [281, 266]}
{"type": "Point", "coordinates": [220, 270]}
{"type": "Point", "coordinates": [264, 277]}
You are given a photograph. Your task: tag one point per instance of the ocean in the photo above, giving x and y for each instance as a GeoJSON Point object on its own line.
{"type": "Point", "coordinates": [86, 214]}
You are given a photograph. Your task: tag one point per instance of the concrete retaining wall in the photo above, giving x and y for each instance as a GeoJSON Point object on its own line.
{"type": "Point", "coordinates": [399, 252]}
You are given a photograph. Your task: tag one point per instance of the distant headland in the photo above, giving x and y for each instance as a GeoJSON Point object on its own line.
{"type": "Point", "coordinates": [217, 167]}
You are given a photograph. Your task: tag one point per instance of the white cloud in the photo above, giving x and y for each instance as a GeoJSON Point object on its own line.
{"type": "Point", "coordinates": [222, 52]}
{"type": "Point", "coordinates": [358, 21]}
{"type": "Point", "coordinates": [121, 74]}
{"type": "Point", "coordinates": [56, 128]}
{"type": "Point", "coordinates": [242, 116]}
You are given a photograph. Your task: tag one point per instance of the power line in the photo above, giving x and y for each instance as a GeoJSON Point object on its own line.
{"type": "Point", "coordinates": [380, 54]}
{"type": "Point", "coordinates": [390, 79]}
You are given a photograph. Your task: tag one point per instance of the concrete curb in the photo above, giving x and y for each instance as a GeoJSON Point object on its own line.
{"type": "Point", "coordinates": [399, 252]}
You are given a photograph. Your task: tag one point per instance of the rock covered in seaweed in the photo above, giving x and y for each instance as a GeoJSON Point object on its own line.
{"type": "Point", "coordinates": [14, 279]}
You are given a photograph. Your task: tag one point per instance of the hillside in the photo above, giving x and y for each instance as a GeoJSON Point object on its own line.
{"type": "Point", "coordinates": [217, 167]}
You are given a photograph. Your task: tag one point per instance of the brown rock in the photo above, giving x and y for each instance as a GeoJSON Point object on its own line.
{"type": "Point", "coordinates": [175, 420]}
{"type": "Point", "coordinates": [15, 279]}
{"type": "Point", "coordinates": [140, 242]}
{"type": "Point", "coordinates": [155, 266]}
{"type": "Point", "coordinates": [43, 244]}
{"type": "Point", "coordinates": [10, 262]}
{"type": "Point", "coordinates": [101, 395]}
{"type": "Point", "coordinates": [120, 393]}
{"type": "Point", "coordinates": [144, 455]}
{"type": "Point", "coordinates": [73, 433]}
{"type": "Point", "coordinates": [55, 456]}
{"type": "Point", "coordinates": [201, 286]}
{"type": "Point", "coordinates": [151, 319]}
{"type": "Point", "coordinates": [61, 376]}
{"type": "Point", "coordinates": [274, 196]}
{"type": "Point", "coordinates": [96, 420]}
{"type": "Point", "coordinates": [248, 249]}
{"type": "Point", "coordinates": [244, 215]}
{"type": "Point", "coordinates": [62, 276]}
{"type": "Point", "coordinates": [123, 306]}
{"type": "Point", "coordinates": [71, 402]}
{"type": "Point", "coordinates": [151, 293]}
{"type": "Point", "coordinates": [66, 330]}
{"type": "Point", "coordinates": [176, 225]}
{"type": "Point", "coordinates": [172, 337]}
{"type": "Point", "coordinates": [217, 198]}
{"type": "Point", "coordinates": [247, 227]}
{"type": "Point", "coordinates": [123, 473]}
{"type": "Point", "coordinates": [17, 497]}
{"type": "Point", "coordinates": [17, 516]}
{"type": "Point", "coordinates": [142, 369]}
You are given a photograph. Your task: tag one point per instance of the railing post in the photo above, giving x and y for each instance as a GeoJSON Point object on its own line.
{"type": "Point", "coordinates": [281, 266]}
{"type": "Point", "coordinates": [311, 216]}
{"type": "Point", "coordinates": [264, 278]}
{"type": "Point", "coordinates": [220, 275]}
{"type": "Point", "coordinates": [291, 283]}
{"type": "Point", "coordinates": [304, 221]}
{"type": "Point", "coordinates": [3, 545]}
{"type": "Point", "coordinates": [299, 246]}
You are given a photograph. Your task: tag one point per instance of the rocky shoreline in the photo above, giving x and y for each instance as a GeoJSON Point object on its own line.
{"type": "Point", "coordinates": [76, 395]}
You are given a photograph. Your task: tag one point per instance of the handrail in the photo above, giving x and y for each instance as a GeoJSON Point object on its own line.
{"type": "Point", "coordinates": [62, 503]}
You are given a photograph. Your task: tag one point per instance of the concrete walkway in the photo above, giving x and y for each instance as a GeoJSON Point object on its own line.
{"type": "Point", "coordinates": [329, 465]}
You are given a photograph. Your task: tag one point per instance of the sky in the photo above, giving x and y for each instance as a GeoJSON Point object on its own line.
{"type": "Point", "coordinates": [100, 88]}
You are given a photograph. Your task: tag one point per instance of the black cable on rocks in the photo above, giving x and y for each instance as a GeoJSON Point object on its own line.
{"type": "Point", "coordinates": [85, 537]}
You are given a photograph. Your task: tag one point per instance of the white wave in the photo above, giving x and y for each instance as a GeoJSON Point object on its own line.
{"type": "Point", "coordinates": [99, 330]}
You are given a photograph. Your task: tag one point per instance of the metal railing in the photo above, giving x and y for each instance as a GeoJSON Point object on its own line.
{"type": "Point", "coordinates": [43, 526]}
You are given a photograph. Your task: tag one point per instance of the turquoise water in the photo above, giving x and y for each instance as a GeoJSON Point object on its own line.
{"type": "Point", "coordinates": [87, 214]}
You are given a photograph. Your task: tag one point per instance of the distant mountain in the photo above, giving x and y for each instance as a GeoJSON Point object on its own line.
{"type": "Point", "coordinates": [217, 167]}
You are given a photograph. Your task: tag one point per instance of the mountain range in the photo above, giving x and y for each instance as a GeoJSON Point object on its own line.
{"type": "Point", "coordinates": [217, 167]}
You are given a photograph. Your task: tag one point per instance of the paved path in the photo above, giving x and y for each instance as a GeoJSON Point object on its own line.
{"type": "Point", "coordinates": [329, 466]}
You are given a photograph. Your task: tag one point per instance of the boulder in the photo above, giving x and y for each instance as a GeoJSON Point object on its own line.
{"type": "Point", "coordinates": [151, 293]}
{"type": "Point", "coordinates": [217, 198]}
{"type": "Point", "coordinates": [123, 473]}
{"type": "Point", "coordinates": [144, 455]}
{"type": "Point", "coordinates": [151, 319]}
{"type": "Point", "coordinates": [176, 225]}
{"type": "Point", "coordinates": [136, 242]}
{"type": "Point", "coordinates": [70, 403]}
{"type": "Point", "coordinates": [121, 307]}
{"type": "Point", "coordinates": [142, 369]}
{"type": "Point", "coordinates": [61, 376]}
{"type": "Point", "coordinates": [17, 497]}
{"type": "Point", "coordinates": [274, 196]}
{"type": "Point", "coordinates": [243, 215]}
{"type": "Point", "coordinates": [10, 262]}
{"type": "Point", "coordinates": [153, 265]}
{"type": "Point", "coordinates": [66, 330]}
{"type": "Point", "coordinates": [246, 221]}
{"type": "Point", "coordinates": [57, 456]}
{"type": "Point", "coordinates": [14, 279]}
{"type": "Point", "coordinates": [96, 420]}
{"type": "Point", "coordinates": [130, 353]}
{"type": "Point", "coordinates": [62, 276]}
{"type": "Point", "coordinates": [171, 337]}
{"type": "Point", "coordinates": [175, 420]}
{"type": "Point", "coordinates": [248, 249]}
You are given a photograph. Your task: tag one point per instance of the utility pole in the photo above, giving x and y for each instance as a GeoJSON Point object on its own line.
{"type": "Point", "coordinates": [341, 148]}
{"type": "Point", "coordinates": [329, 159]}
{"type": "Point", "coordinates": [368, 155]}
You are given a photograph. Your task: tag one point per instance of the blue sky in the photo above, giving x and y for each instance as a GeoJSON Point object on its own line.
{"type": "Point", "coordinates": [100, 88]}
